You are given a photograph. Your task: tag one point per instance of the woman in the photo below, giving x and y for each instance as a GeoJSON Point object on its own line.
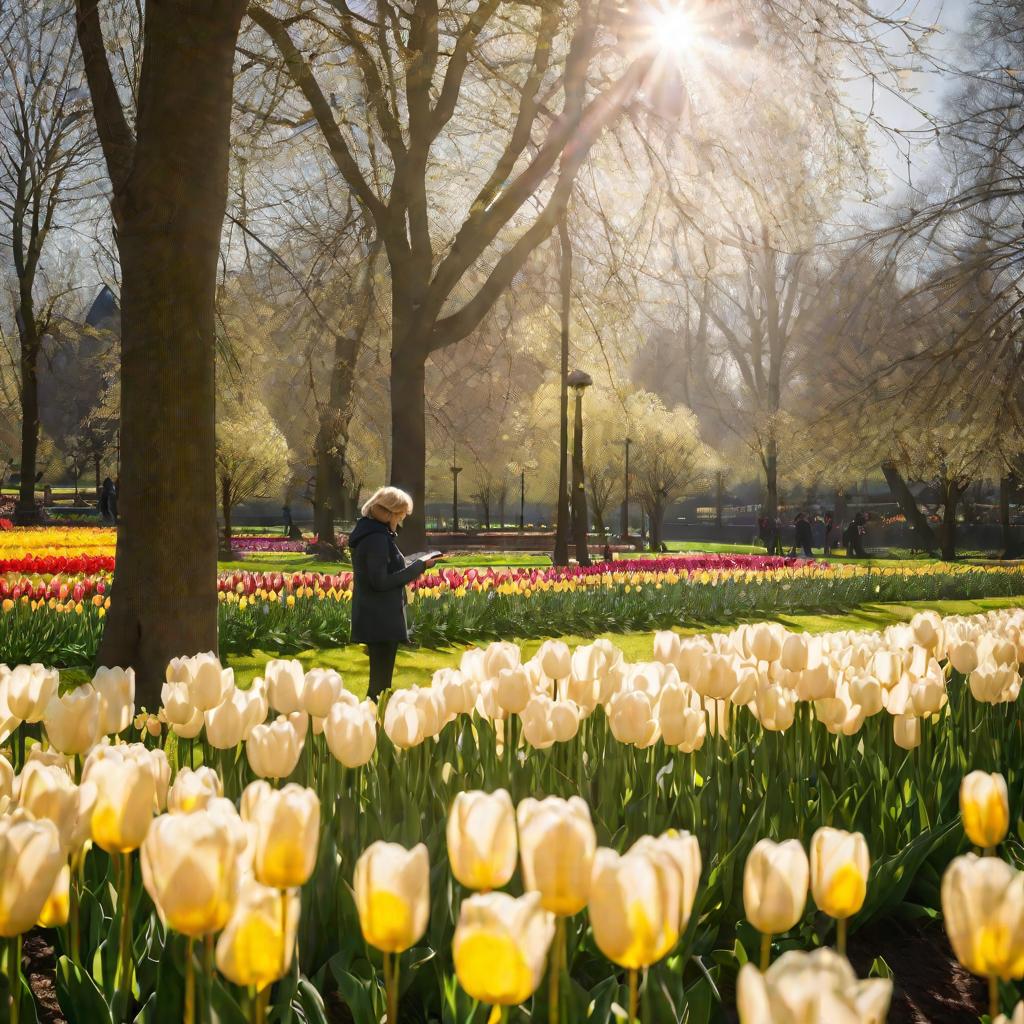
{"type": "Point", "coordinates": [380, 574]}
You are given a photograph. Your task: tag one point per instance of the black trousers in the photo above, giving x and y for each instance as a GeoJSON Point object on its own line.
{"type": "Point", "coordinates": [382, 667]}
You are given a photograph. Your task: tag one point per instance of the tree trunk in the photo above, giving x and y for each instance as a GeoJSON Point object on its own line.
{"type": "Point", "coordinates": [225, 507]}
{"type": "Point", "coordinates": [323, 508]}
{"type": "Point", "coordinates": [656, 514]}
{"type": "Point", "coordinates": [170, 193]}
{"type": "Point", "coordinates": [951, 495]}
{"type": "Point", "coordinates": [409, 439]}
{"type": "Point", "coordinates": [96, 465]}
{"type": "Point", "coordinates": [908, 506]}
{"type": "Point", "coordinates": [26, 514]}
{"type": "Point", "coordinates": [562, 523]}
{"type": "Point", "coordinates": [771, 481]}
{"type": "Point", "coordinates": [1005, 486]}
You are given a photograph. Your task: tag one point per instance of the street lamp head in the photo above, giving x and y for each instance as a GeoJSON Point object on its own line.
{"type": "Point", "coordinates": [579, 379]}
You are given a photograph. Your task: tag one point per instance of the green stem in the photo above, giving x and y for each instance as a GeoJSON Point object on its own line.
{"type": "Point", "coordinates": [125, 949]}
{"type": "Point", "coordinates": [208, 968]}
{"type": "Point", "coordinates": [841, 936]}
{"type": "Point", "coordinates": [555, 969]}
{"type": "Point", "coordinates": [74, 899]}
{"type": "Point", "coordinates": [190, 983]}
{"type": "Point", "coordinates": [633, 997]}
{"type": "Point", "coordinates": [259, 1006]}
{"type": "Point", "coordinates": [14, 977]}
{"type": "Point", "coordinates": [766, 951]}
{"type": "Point", "coordinates": [993, 997]}
{"type": "Point", "coordinates": [284, 932]}
{"type": "Point", "coordinates": [391, 986]}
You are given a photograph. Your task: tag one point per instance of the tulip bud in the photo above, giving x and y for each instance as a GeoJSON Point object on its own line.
{"type": "Point", "coordinates": [635, 901]}
{"type": "Point", "coordinates": [256, 947]}
{"type": "Point", "coordinates": [47, 792]}
{"type": "Point", "coordinates": [125, 800]}
{"type": "Point", "coordinates": [481, 834]}
{"type": "Point", "coordinates": [963, 656]}
{"type": "Point", "coordinates": [57, 907]}
{"type": "Point", "coordinates": [512, 689]}
{"type": "Point", "coordinates": [816, 988]}
{"type": "Point", "coordinates": [554, 659]}
{"type": "Point", "coordinates": [193, 789]}
{"type": "Point", "coordinates": [73, 721]}
{"type": "Point", "coordinates": [839, 871]}
{"type": "Point", "coordinates": [983, 911]}
{"type": "Point", "coordinates": [273, 750]}
{"type": "Point", "coordinates": [683, 850]}
{"type": "Point", "coordinates": [192, 728]}
{"type": "Point", "coordinates": [495, 929]}
{"type": "Point", "coordinates": [392, 892]}
{"type": "Point", "coordinates": [775, 707]}
{"type": "Point", "coordinates": [31, 857]}
{"type": "Point", "coordinates": [867, 692]}
{"type": "Point", "coordinates": [30, 688]}
{"type": "Point", "coordinates": [177, 704]}
{"type": "Point", "coordinates": [225, 724]}
{"type": "Point", "coordinates": [557, 844]}
{"type": "Point", "coordinates": [190, 870]}
{"type": "Point", "coordinates": [985, 809]}
{"type": "Point", "coordinates": [538, 730]}
{"type": "Point", "coordinates": [906, 731]}
{"type": "Point", "coordinates": [321, 688]}
{"type": "Point", "coordinates": [795, 652]}
{"type": "Point", "coordinates": [775, 882]}
{"type": "Point", "coordinates": [403, 722]}
{"type": "Point", "coordinates": [500, 655]}
{"type": "Point", "coordinates": [666, 646]}
{"type": "Point", "coordinates": [6, 778]}
{"type": "Point", "coordinates": [766, 641]}
{"type": "Point", "coordinates": [351, 732]}
{"type": "Point", "coordinates": [632, 720]}
{"type": "Point", "coordinates": [116, 689]}
{"type": "Point", "coordinates": [286, 824]}
{"type": "Point", "coordinates": [1016, 1018]}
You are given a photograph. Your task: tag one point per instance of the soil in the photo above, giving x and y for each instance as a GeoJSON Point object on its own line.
{"type": "Point", "coordinates": [929, 986]}
{"type": "Point", "coordinates": [39, 964]}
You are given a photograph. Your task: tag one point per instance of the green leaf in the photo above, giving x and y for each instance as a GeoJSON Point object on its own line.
{"type": "Point", "coordinates": [79, 996]}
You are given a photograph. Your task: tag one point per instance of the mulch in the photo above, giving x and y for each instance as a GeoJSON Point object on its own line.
{"type": "Point", "coordinates": [930, 987]}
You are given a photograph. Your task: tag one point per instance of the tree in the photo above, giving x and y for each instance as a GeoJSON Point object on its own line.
{"type": "Point", "coordinates": [168, 170]}
{"type": "Point", "coordinates": [421, 74]}
{"type": "Point", "coordinates": [667, 459]}
{"type": "Point", "coordinates": [45, 145]}
{"type": "Point", "coordinates": [252, 456]}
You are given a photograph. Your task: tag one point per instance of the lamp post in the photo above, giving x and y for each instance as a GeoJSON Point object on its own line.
{"type": "Point", "coordinates": [522, 500]}
{"type": "Point", "coordinates": [456, 470]}
{"type": "Point", "coordinates": [579, 382]}
{"type": "Point", "coordinates": [625, 492]}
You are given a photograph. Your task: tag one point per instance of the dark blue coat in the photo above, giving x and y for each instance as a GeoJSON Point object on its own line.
{"type": "Point", "coordinates": [380, 573]}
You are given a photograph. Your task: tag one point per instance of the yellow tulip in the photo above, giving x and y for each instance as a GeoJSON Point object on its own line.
{"type": "Point", "coordinates": [500, 947]}
{"type": "Point", "coordinates": [984, 808]}
{"type": "Point", "coordinates": [125, 801]}
{"type": "Point", "coordinates": [392, 893]}
{"type": "Point", "coordinates": [775, 881]}
{"type": "Point", "coordinates": [57, 908]}
{"type": "Point", "coordinates": [286, 826]}
{"type": "Point", "coordinates": [481, 834]}
{"type": "Point", "coordinates": [152, 761]}
{"type": "Point", "coordinates": [31, 857]}
{"type": "Point", "coordinates": [73, 721]}
{"type": "Point", "coordinates": [983, 910]}
{"type": "Point", "coordinates": [683, 850]}
{"type": "Point", "coordinates": [557, 843]}
{"type": "Point", "coordinates": [193, 789]}
{"type": "Point", "coordinates": [190, 870]}
{"type": "Point", "coordinates": [839, 871]}
{"type": "Point", "coordinates": [810, 988]}
{"type": "Point", "coordinates": [635, 900]}
{"type": "Point", "coordinates": [256, 947]}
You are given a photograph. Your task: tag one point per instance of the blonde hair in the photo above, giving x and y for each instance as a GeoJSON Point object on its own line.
{"type": "Point", "coordinates": [392, 500]}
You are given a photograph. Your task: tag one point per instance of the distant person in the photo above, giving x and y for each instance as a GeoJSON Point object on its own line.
{"type": "Point", "coordinates": [861, 521]}
{"type": "Point", "coordinates": [830, 525]}
{"type": "Point", "coordinates": [606, 554]}
{"type": "Point", "coordinates": [47, 495]}
{"type": "Point", "coordinates": [106, 495]}
{"type": "Point", "coordinates": [114, 498]}
{"type": "Point", "coordinates": [802, 535]}
{"type": "Point", "coordinates": [380, 573]}
{"type": "Point", "coordinates": [764, 533]}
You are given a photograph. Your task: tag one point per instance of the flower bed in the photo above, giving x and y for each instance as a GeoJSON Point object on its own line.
{"type": "Point", "coordinates": [716, 821]}
{"type": "Point", "coordinates": [251, 544]}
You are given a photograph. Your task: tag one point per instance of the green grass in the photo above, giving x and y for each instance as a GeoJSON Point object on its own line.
{"type": "Point", "coordinates": [414, 667]}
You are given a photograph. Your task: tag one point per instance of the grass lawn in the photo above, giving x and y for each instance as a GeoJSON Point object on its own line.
{"type": "Point", "coordinates": [415, 667]}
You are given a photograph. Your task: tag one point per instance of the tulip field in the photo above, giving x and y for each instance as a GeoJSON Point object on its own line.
{"type": "Point", "coordinates": [53, 601]}
{"type": "Point", "coordinates": [574, 837]}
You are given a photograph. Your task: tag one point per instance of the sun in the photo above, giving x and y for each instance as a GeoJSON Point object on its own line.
{"type": "Point", "coordinates": [674, 29]}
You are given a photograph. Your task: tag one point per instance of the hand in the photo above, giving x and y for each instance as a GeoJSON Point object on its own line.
{"type": "Point", "coordinates": [431, 562]}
